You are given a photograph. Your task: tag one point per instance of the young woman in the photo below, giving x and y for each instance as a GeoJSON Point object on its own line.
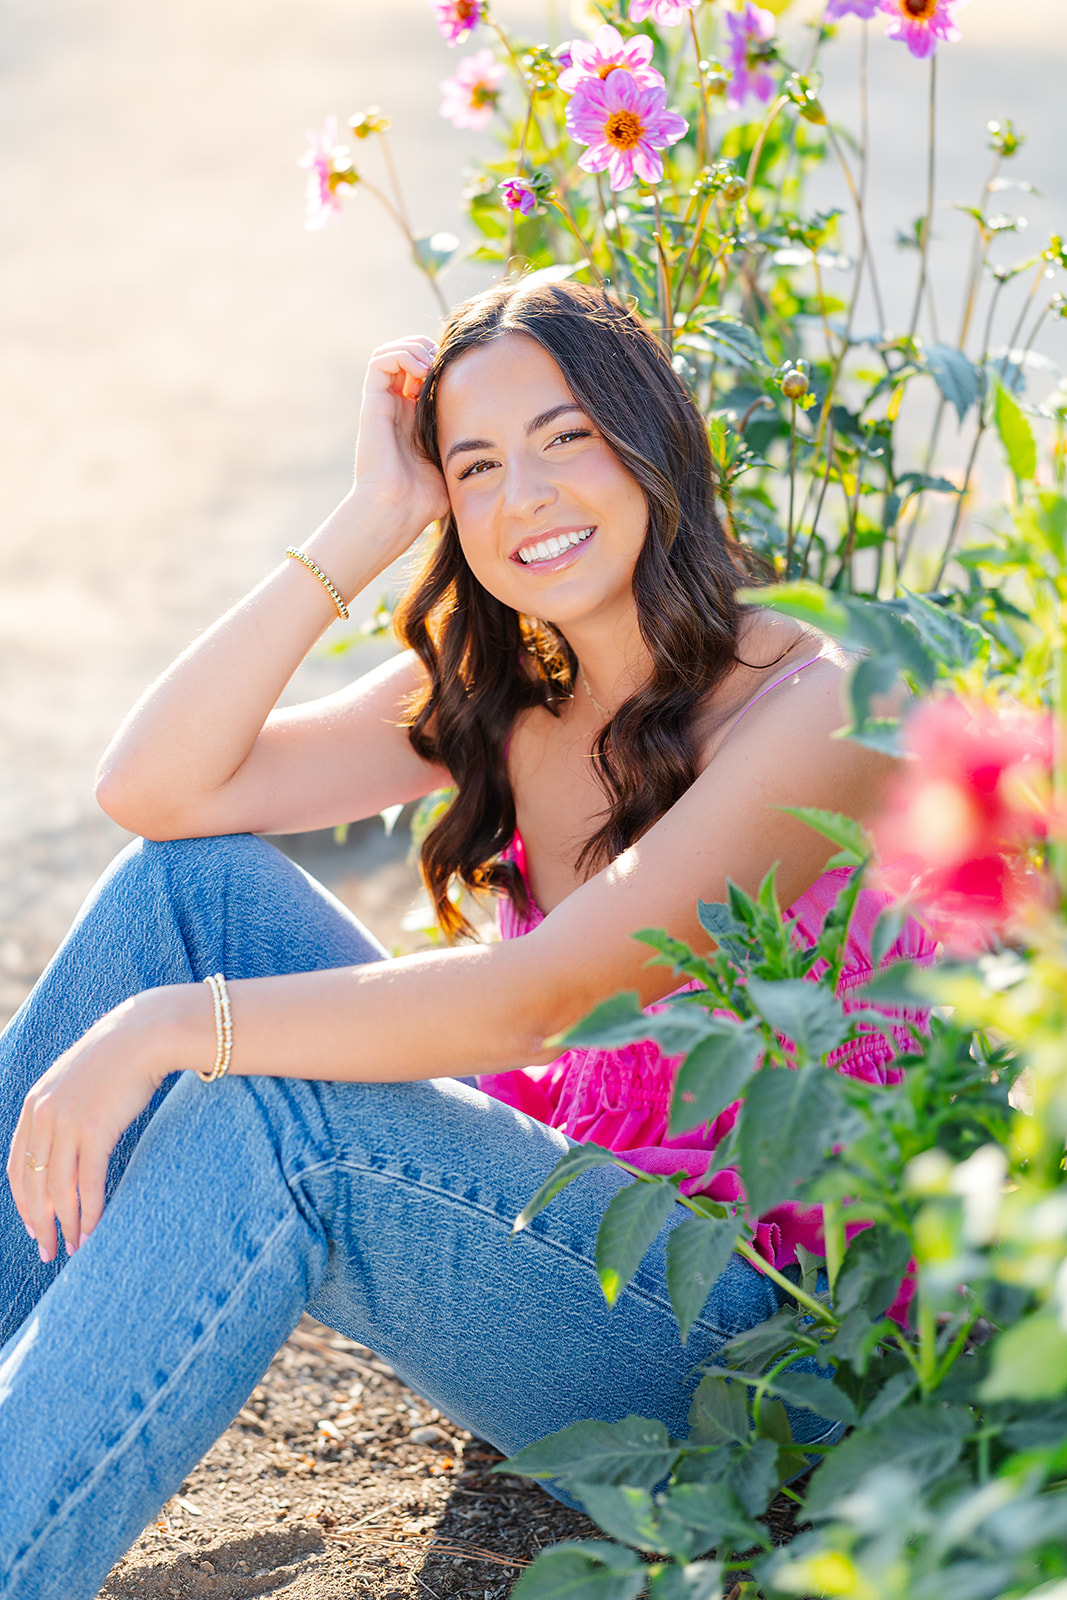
{"type": "Point", "coordinates": [622, 737]}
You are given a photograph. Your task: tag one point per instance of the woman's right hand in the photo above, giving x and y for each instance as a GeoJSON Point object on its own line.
{"type": "Point", "coordinates": [393, 480]}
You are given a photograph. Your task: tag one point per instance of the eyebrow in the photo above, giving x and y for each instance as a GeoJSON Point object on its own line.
{"type": "Point", "coordinates": [533, 426]}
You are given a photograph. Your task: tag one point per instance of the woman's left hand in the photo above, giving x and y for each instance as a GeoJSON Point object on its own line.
{"type": "Point", "coordinates": [73, 1116]}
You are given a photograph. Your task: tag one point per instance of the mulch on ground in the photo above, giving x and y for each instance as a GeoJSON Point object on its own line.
{"type": "Point", "coordinates": [336, 1481]}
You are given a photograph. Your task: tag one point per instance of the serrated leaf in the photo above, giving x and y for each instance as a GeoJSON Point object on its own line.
{"type": "Point", "coordinates": [718, 1412]}
{"type": "Point", "coordinates": [849, 835]}
{"type": "Point", "coordinates": [433, 251]}
{"type": "Point", "coordinates": [789, 1120]}
{"type": "Point", "coordinates": [892, 1394]}
{"type": "Point", "coordinates": [714, 1075]}
{"type": "Point", "coordinates": [717, 920]}
{"type": "Point", "coordinates": [581, 1572]}
{"type": "Point", "coordinates": [580, 1159]}
{"type": "Point", "coordinates": [894, 986]}
{"type": "Point", "coordinates": [637, 1451]}
{"type": "Point", "coordinates": [623, 1512]}
{"type": "Point", "coordinates": [810, 1393]}
{"type": "Point", "coordinates": [627, 1229]}
{"type": "Point", "coordinates": [926, 1439]}
{"type": "Point", "coordinates": [695, 1517]}
{"type": "Point", "coordinates": [882, 734]}
{"type": "Point", "coordinates": [698, 1253]}
{"type": "Point", "coordinates": [952, 638]}
{"type": "Point", "coordinates": [1029, 1361]}
{"type": "Point", "coordinates": [806, 1013]}
{"type": "Point", "coordinates": [959, 380]}
{"type": "Point", "coordinates": [753, 1475]}
{"type": "Point", "coordinates": [610, 1025]}
{"type": "Point", "coordinates": [874, 1265]}
{"type": "Point", "coordinates": [1016, 435]}
{"type": "Point", "coordinates": [766, 1341]}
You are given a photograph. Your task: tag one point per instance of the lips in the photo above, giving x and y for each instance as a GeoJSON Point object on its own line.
{"type": "Point", "coordinates": [553, 550]}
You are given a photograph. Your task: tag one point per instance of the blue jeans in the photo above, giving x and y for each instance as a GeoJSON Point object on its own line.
{"type": "Point", "coordinates": [383, 1209]}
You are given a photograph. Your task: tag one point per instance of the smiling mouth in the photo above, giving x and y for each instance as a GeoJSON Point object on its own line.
{"type": "Point", "coordinates": [552, 548]}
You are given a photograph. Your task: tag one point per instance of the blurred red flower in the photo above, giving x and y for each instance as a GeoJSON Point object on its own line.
{"type": "Point", "coordinates": [960, 818]}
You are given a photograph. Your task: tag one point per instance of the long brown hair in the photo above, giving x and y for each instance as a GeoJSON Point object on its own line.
{"type": "Point", "coordinates": [486, 663]}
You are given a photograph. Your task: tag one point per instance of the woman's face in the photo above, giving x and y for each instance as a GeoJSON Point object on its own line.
{"type": "Point", "coordinates": [550, 521]}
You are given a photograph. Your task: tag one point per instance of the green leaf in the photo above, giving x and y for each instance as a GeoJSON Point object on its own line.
{"type": "Point", "coordinates": [579, 1159]}
{"type": "Point", "coordinates": [729, 340]}
{"type": "Point", "coordinates": [616, 1022]}
{"type": "Point", "coordinates": [434, 251]}
{"type": "Point", "coordinates": [698, 1253]}
{"type": "Point", "coordinates": [767, 1341]}
{"type": "Point", "coordinates": [1029, 1361]}
{"type": "Point", "coordinates": [820, 1395]}
{"type": "Point", "coordinates": [582, 1571]}
{"type": "Point", "coordinates": [1016, 435]}
{"type": "Point", "coordinates": [848, 834]}
{"type": "Point", "coordinates": [807, 1013]}
{"type": "Point", "coordinates": [700, 1580]}
{"type": "Point", "coordinates": [1045, 1428]}
{"type": "Point", "coordinates": [955, 641]}
{"type": "Point", "coordinates": [718, 1412]}
{"type": "Point", "coordinates": [894, 986]}
{"type": "Point", "coordinates": [805, 601]}
{"type": "Point", "coordinates": [753, 1474]}
{"type": "Point", "coordinates": [629, 1225]}
{"type": "Point", "coordinates": [717, 919]}
{"type": "Point", "coordinates": [713, 1075]}
{"type": "Point", "coordinates": [789, 1120]}
{"type": "Point", "coordinates": [959, 380]}
{"type": "Point", "coordinates": [695, 1517]}
{"type": "Point", "coordinates": [926, 1439]}
{"type": "Point", "coordinates": [871, 1272]}
{"type": "Point", "coordinates": [636, 1451]}
{"type": "Point", "coordinates": [626, 1513]}
{"type": "Point", "coordinates": [891, 1395]}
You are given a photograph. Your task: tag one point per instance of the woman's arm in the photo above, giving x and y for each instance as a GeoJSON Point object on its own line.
{"type": "Point", "coordinates": [201, 753]}
{"type": "Point", "coordinates": [481, 1008]}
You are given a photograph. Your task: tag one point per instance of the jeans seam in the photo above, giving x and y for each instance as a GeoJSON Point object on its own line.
{"type": "Point", "coordinates": [661, 1304]}
{"type": "Point", "coordinates": [103, 1465]}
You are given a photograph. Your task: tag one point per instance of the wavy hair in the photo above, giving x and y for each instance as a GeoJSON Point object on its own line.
{"type": "Point", "coordinates": [486, 663]}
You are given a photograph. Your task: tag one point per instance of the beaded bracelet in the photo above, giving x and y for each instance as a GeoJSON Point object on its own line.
{"type": "Point", "coordinates": [223, 1028]}
{"type": "Point", "coordinates": [331, 588]}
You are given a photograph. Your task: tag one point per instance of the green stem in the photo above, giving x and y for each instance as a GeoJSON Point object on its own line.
{"type": "Point", "coordinates": [905, 1349]}
{"type": "Point", "coordinates": [394, 179]}
{"type": "Point", "coordinates": [1059, 733]}
{"type": "Point", "coordinates": [703, 145]}
{"type": "Point", "coordinates": [822, 495]}
{"type": "Point", "coordinates": [948, 1360]}
{"type": "Point", "coordinates": [615, 249]}
{"type": "Point", "coordinates": [792, 489]}
{"type": "Point", "coordinates": [931, 174]}
{"type": "Point", "coordinates": [757, 148]}
{"type": "Point", "coordinates": [410, 237]}
{"type": "Point", "coordinates": [927, 1344]}
{"type": "Point", "coordinates": [833, 1231]}
{"type": "Point", "coordinates": [565, 214]}
{"type": "Point", "coordinates": [666, 310]}
{"type": "Point", "coordinates": [519, 164]}
{"type": "Point", "coordinates": [861, 218]}
{"type": "Point", "coordinates": [817, 1309]}
{"type": "Point", "coordinates": [979, 251]}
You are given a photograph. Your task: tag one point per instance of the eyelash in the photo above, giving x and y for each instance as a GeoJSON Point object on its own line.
{"type": "Point", "coordinates": [567, 434]}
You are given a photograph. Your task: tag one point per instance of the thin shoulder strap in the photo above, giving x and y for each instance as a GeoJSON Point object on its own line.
{"type": "Point", "coordinates": [767, 689]}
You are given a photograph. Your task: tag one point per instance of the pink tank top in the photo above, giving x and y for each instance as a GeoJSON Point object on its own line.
{"type": "Point", "coordinates": [621, 1098]}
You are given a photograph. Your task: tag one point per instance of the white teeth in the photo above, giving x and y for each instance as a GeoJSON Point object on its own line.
{"type": "Point", "coordinates": [554, 546]}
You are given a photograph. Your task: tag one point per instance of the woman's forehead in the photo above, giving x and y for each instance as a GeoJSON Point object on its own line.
{"type": "Point", "coordinates": [506, 381]}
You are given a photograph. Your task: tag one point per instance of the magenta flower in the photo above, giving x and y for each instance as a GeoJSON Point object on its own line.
{"type": "Point", "coordinates": [608, 52]}
{"type": "Point", "coordinates": [751, 29]}
{"type": "Point", "coordinates": [836, 9]}
{"type": "Point", "coordinates": [469, 99]}
{"type": "Point", "coordinates": [668, 13]}
{"type": "Point", "coordinates": [519, 195]}
{"type": "Point", "coordinates": [923, 24]}
{"type": "Point", "coordinates": [625, 124]}
{"type": "Point", "coordinates": [457, 18]}
{"type": "Point", "coordinates": [325, 159]}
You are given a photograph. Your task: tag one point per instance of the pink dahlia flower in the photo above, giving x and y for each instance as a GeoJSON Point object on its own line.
{"type": "Point", "coordinates": [625, 124]}
{"type": "Point", "coordinates": [324, 159]}
{"type": "Point", "coordinates": [469, 99]}
{"type": "Point", "coordinates": [836, 9]}
{"type": "Point", "coordinates": [519, 195]}
{"type": "Point", "coordinates": [457, 18]}
{"type": "Point", "coordinates": [607, 52]}
{"type": "Point", "coordinates": [961, 816]}
{"type": "Point", "coordinates": [668, 13]}
{"type": "Point", "coordinates": [750, 31]}
{"type": "Point", "coordinates": [923, 24]}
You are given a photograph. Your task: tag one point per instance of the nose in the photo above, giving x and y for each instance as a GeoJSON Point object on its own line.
{"type": "Point", "coordinates": [527, 487]}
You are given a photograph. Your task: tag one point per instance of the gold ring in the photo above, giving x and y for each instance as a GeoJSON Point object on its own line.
{"type": "Point", "coordinates": [32, 1163]}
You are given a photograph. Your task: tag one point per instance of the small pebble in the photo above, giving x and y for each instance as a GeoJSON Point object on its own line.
{"type": "Point", "coordinates": [205, 1566]}
{"type": "Point", "coordinates": [429, 1435]}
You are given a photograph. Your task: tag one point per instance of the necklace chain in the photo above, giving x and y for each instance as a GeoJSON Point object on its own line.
{"type": "Point", "coordinates": [604, 712]}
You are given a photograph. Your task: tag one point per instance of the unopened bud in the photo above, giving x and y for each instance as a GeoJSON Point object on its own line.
{"type": "Point", "coordinates": [734, 188]}
{"type": "Point", "coordinates": [364, 123]}
{"type": "Point", "coordinates": [794, 385]}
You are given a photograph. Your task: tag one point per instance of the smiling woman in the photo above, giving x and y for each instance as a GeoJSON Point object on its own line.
{"type": "Point", "coordinates": [621, 737]}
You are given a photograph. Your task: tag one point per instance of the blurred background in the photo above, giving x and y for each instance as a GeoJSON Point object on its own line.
{"type": "Point", "coordinates": [180, 361]}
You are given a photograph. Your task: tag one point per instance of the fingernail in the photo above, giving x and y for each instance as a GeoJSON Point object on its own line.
{"type": "Point", "coordinates": [70, 1247]}
{"type": "Point", "coordinates": [82, 1238]}
{"type": "Point", "coordinates": [41, 1252]}
{"type": "Point", "coordinates": [30, 1231]}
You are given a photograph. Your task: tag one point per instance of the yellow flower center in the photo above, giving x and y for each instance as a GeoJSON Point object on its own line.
{"type": "Point", "coordinates": [607, 69]}
{"type": "Point", "coordinates": [483, 95]}
{"type": "Point", "coordinates": [623, 129]}
{"type": "Point", "coordinates": [465, 9]}
{"type": "Point", "coordinates": [921, 10]}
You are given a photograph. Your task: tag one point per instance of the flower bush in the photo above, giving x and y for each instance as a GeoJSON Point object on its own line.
{"type": "Point", "coordinates": [667, 151]}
